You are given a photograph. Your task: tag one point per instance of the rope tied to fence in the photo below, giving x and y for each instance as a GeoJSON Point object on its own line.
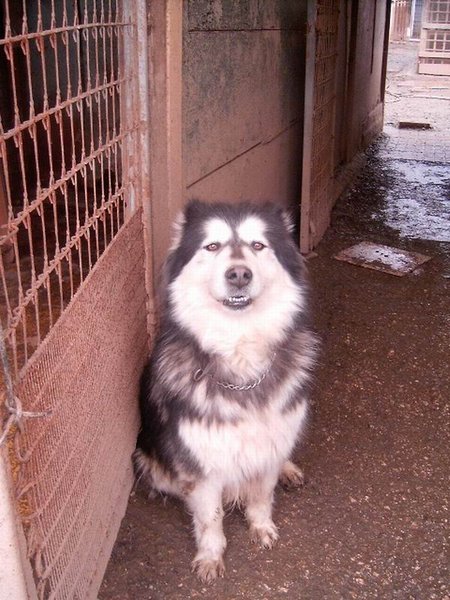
{"type": "Point", "coordinates": [12, 403]}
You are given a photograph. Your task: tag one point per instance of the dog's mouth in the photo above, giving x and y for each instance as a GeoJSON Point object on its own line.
{"type": "Point", "coordinates": [237, 302]}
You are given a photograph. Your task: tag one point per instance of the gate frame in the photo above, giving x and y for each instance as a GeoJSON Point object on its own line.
{"type": "Point", "coordinates": [165, 106]}
{"type": "Point", "coordinates": [310, 66]}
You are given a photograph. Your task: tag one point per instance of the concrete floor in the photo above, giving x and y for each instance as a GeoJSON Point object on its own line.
{"type": "Point", "coordinates": [373, 519]}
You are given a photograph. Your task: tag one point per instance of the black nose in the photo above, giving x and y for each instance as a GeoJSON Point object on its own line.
{"type": "Point", "coordinates": [238, 276]}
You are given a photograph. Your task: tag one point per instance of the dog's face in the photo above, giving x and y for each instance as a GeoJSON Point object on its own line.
{"type": "Point", "coordinates": [233, 260]}
{"type": "Point", "coordinates": [235, 263]}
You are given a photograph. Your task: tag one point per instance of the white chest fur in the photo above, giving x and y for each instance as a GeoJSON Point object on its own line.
{"type": "Point", "coordinates": [258, 442]}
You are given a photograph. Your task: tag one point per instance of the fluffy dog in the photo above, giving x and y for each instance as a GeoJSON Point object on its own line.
{"type": "Point", "coordinates": [224, 395]}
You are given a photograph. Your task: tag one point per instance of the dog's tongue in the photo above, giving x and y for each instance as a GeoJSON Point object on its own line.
{"type": "Point", "coordinates": [237, 301]}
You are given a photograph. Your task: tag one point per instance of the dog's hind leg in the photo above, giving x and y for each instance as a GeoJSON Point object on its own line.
{"type": "Point", "coordinates": [258, 497]}
{"type": "Point", "coordinates": [205, 504]}
{"type": "Point", "coordinates": [291, 476]}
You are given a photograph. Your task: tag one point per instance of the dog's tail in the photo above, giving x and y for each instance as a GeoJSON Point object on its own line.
{"type": "Point", "coordinates": [142, 469]}
{"type": "Point", "coordinates": [153, 476]}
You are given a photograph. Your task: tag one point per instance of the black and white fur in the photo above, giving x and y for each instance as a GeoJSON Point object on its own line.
{"type": "Point", "coordinates": [233, 316]}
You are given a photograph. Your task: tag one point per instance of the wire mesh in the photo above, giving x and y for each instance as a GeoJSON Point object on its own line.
{"type": "Point", "coordinates": [75, 472]}
{"type": "Point", "coordinates": [61, 146]}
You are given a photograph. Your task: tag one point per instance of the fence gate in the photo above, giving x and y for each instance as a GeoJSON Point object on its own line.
{"type": "Point", "coordinates": [73, 171]}
{"type": "Point", "coordinates": [400, 20]}
{"type": "Point", "coordinates": [434, 51]}
{"type": "Point", "coordinates": [320, 93]}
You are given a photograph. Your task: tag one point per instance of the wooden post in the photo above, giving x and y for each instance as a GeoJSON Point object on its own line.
{"type": "Point", "coordinates": [305, 204]}
{"type": "Point", "coordinates": [165, 98]}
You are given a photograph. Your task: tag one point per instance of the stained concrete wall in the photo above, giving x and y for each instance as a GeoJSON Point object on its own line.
{"type": "Point", "coordinates": [243, 82]}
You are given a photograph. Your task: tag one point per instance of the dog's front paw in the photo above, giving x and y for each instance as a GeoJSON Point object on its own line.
{"type": "Point", "coordinates": [265, 535]}
{"type": "Point", "coordinates": [208, 569]}
{"type": "Point", "coordinates": [291, 476]}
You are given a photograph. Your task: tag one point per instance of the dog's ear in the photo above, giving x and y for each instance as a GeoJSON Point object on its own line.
{"type": "Point", "coordinates": [177, 230]}
{"type": "Point", "coordinates": [194, 207]}
{"type": "Point", "coordinates": [288, 220]}
{"type": "Point", "coordinates": [191, 212]}
{"type": "Point", "coordinates": [284, 215]}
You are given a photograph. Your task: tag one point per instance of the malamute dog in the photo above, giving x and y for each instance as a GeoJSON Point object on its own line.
{"type": "Point", "coordinates": [223, 398]}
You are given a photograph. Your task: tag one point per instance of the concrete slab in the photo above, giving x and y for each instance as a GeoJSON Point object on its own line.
{"type": "Point", "coordinates": [382, 258]}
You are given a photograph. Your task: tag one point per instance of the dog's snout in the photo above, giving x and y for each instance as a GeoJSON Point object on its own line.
{"type": "Point", "coordinates": [238, 276]}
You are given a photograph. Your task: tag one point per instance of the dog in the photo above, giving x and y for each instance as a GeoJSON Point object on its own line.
{"type": "Point", "coordinates": [224, 394]}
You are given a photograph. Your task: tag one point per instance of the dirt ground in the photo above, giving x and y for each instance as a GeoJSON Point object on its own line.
{"type": "Point", "coordinates": [373, 518]}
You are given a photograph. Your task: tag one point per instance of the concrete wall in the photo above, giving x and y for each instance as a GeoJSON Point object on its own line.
{"type": "Point", "coordinates": [243, 82]}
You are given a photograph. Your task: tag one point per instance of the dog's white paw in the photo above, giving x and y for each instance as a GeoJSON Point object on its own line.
{"type": "Point", "coordinates": [291, 476]}
{"type": "Point", "coordinates": [208, 569]}
{"type": "Point", "coordinates": [265, 535]}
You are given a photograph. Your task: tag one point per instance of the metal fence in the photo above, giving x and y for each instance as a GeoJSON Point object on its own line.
{"type": "Point", "coordinates": [61, 153]}
{"type": "Point", "coordinates": [72, 292]}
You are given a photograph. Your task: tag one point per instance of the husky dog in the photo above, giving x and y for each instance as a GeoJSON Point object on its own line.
{"type": "Point", "coordinates": [223, 397]}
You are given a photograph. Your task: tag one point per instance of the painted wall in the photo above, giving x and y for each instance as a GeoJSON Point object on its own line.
{"type": "Point", "coordinates": [243, 82]}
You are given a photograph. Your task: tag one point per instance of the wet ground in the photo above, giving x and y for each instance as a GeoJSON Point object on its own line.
{"type": "Point", "coordinates": [373, 518]}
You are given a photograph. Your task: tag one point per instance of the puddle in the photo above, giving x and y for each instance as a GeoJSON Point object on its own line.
{"type": "Point", "coordinates": [419, 172]}
{"type": "Point", "coordinates": [424, 219]}
{"type": "Point", "coordinates": [418, 202]}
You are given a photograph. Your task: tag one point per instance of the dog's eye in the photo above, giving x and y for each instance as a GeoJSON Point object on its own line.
{"type": "Point", "coordinates": [213, 247]}
{"type": "Point", "coordinates": [258, 246]}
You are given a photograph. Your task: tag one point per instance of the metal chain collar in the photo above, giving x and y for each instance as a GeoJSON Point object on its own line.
{"type": "Point", "coordinates": [200, 373]}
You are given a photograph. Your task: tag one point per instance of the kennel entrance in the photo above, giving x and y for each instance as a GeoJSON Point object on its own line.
{"type": "Point", "coordinates": [73, 271]}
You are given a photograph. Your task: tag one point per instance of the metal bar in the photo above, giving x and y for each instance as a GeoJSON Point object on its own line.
{"type": "Point", "coordinates": [68, 177]}
{"type": "Point", "coordinates": [17, 39]}
{"type": "Point", "coordinates": [64, 253]}
{"type": "Point", "coordinates": [26, 125]}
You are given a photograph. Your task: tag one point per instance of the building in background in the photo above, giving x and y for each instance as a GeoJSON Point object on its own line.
{"type": "Point", "coordinates": [429, 22]}
{"type": "Point", "coordinates": [434, 50]}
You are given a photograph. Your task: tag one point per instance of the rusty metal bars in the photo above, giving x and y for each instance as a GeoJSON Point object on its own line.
{"type": "Point", "coordinates": [62, 136]}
